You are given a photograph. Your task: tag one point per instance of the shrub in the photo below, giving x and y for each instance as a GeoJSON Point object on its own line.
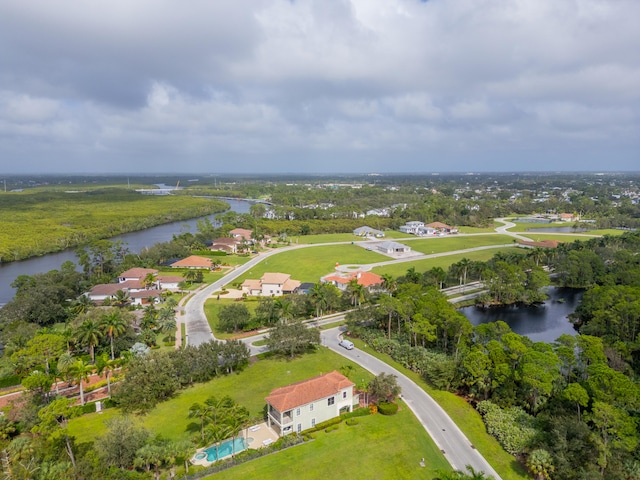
{"type": "Point", "coordinates": [352, 421]}
{"type": "Point", "coordinates": [373, 409]}
{"type": "Point", "coordinates": [10, 381]}
{"type": "Point", "coordinates": [358, 412]}
{"type": "Point", "coordinates": [388, 408]}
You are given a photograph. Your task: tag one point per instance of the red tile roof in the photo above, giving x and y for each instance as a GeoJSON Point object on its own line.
{"type": "Point", "coordinates": [138, 273]}
{"type": "Point", "coordinates": [438, 225]}
{"type": "Point", "coordinates": [193, 262]}
{"type": "Point", "coordinates": [366, 279]}
{"type": "Point", "coordinates": [307, 391]}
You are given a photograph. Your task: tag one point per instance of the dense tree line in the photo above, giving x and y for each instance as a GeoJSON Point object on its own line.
{"type": "Point", "coordinates": [567, 410]}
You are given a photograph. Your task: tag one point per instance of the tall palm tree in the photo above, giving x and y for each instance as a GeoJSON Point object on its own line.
{"type": "Point", "coordinates": [319, 297]}
{"type": "Point", "coordinates": [82, 305]}
{"type": "Point", "coordinates": [80, 371]}
{"type": "Point", "coordinates": [201, 412]}
{"type": "Point", "coordinates": [106, 367]}
{"type": "Point", "coordinates": [121, 299]}
{"type": "Point", "coordinates": [89, 333]}
{"type": "Point", "coordinates": [283, 307]}
{"type": "Point", "coordinates": [166, 320]}
{"type": "Point", "coordinates": [149, 280]}
{"type": "Point", "coordinates": [113, 325]}
{"type": "Point", "coordinates": [389, 283]}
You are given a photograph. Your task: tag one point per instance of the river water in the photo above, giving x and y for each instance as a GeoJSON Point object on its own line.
{"type": "Point", "coordinates": [135, 241]}
{"type": "Point", "coordinates": [541, 323]}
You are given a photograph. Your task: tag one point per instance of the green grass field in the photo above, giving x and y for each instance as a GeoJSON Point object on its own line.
{"type": "Point", "coordinates": [452, 243]}
{"type": "Point", "coordinates": [380, 447]}
{"type": "Point", "coordinates": [309, 264]}
{"type": "Point", "coordinates": [399, 269]}
{"type": "Point", "coordinates": [213, 306]}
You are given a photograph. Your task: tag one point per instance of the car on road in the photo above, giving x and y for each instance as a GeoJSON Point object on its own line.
{"type": "Point", "coordinates": [346, 344]}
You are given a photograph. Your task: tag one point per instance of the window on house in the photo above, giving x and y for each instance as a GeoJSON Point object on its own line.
{"type": "Point", "coordinates": [331, 400]}
{"type": "Point", "coordinates": [313, 422]}
{"type": "Point", "coordinates": [299, 427]}
{"type": "Point", "coordinates": [297, 412]}
{"type": "Point", "coordinates": [311, 407]}
{"type": "Point", "coordinates": [344, 394]}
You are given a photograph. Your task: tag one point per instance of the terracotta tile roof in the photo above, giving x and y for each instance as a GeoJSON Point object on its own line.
{"type": "Point", "coordinates": [275, 278]}
{"type": "Point", "coordinates": [139, 273]}
{"type": "Point", "coordinates": [241, 232]}
{"type": "Point", "coordinates": [193, 262]}
{"type": "Point", "coordinates": [366, 279]}
{"type": "Point", "coordinates": [307, 391]}
{"type": "Point", "coordinates": [438, 225]}
{"type": "Point", "coordinates": [290, 285]}
{"type": "Point", "coordinates": [146, 294]}
{"type": "Point", "coordinates": [105, 289]}
{"type": "Point", "coordinates": [252, 284]}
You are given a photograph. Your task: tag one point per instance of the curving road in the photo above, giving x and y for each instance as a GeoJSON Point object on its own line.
{"type": "Point", "coordinates": [455, 446]}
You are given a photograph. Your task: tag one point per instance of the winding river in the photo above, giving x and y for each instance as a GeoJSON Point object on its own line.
{"type": "Point", "coordinates": [135, 241]}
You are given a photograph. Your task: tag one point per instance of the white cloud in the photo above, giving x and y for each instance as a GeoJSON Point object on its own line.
{"type": "Point", "coordinates": [272, 81]}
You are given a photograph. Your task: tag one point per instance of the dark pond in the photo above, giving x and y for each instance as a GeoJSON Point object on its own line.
{"type": "Point", "coordinates": [542, 323]}
{"type": "Point", "coordinates": [135, 242]}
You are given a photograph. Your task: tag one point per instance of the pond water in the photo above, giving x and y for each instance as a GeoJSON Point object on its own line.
{"type": "Point", "coordinates": [135, 241]}
{"type": "Point", "coordinates": [541, 323]}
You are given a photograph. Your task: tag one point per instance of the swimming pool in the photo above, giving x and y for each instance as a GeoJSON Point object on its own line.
{"type": "Point", "coordinates": [225, 448]}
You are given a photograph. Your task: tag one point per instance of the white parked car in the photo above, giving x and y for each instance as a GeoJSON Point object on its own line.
{"type": "Point", "coordinates": [346, 344]}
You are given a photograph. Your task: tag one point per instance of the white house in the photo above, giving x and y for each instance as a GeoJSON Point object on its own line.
{"type": "Point", "coordinates": [411, 227]}
{"type": "Point", "coordinates": [393, 248]}
{"type": "Point", "coordinates": [136, 274]}
{"type": "Point", "coordinates": [368, 232]}
{"type": "Point", "coordinates": [303, 405]}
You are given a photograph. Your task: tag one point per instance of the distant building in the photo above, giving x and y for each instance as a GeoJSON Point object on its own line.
{"type": "Point", "coordinates": [390, 248]}
{"type": "Point", "coordinates": [368, 232]}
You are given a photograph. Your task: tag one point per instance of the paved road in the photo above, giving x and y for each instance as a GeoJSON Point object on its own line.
{"type": "Point", "coordinates": [448, 437]}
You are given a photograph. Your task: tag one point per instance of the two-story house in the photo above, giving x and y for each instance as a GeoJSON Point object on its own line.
{"type": "Point", "coordinates": [270, 285]}
{"type": "Point", "coordinates": [303, 405]}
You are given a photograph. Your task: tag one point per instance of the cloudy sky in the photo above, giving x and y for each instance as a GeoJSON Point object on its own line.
{"type": "Point", "coordinates": [316, 86]}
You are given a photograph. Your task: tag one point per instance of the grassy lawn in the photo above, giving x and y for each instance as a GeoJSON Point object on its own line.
{"type": "Point", "coordinates": [377, 447]}
{"type": "Point", "coordinates": [399, 269]}
{"type": "Point", "coordinates": [309, 264]}
{"type": "Point", "coordinates": [248, 388]}
{"type": "Point", "coordinates": [467, 419]}
{"type": "Point", "coordinates": [448, 244]}
{"type": "Point", "coordinates": [478, 229]}
{"type": "Point", "coordinates": [212, 308]}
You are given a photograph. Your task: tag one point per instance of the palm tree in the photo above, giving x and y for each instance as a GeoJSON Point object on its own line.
{"type": "Point", "coordinates": [121, 299]}
{"type": "Point", "coordinates": [149, 280]}
{"type": "Point", "coordinates": [236, 420]}
{"type": "Point", "coordinates": [166, 320]}
{"type": "Point", "coordinates": [201, 412]}
{"type": "Point", "coordinates": [190, 276]}
{"type": "Point", "coordinates": [463, 266]}
{"type": "Point", "coordinates": [389, 283]}
{"type": "Point", "coordinates": [113, 325]}
{"type": "Point", "coordinates": [216, 434]}
{"type": "Point", "coordinates": [82, 305]}
{"type": "Point", "coordinates": [90, 333]}
{"type": "Point", "coordinates": [319, 297]}
{"type": "Point", "coordinates": [106, 366]}
{"type": "Point", "coordinates": [80, 371]}
{"type": "Point", "coordinates": [284, 308]}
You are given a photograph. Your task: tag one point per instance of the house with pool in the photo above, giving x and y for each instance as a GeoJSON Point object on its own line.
{"type": "Point", "coordinates": [302, 405]}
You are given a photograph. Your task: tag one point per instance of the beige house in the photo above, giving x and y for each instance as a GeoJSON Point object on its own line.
{"type": "Point", "coordinates": [271, 284]}
{"type": "Point", "coordinates": [303, 405]}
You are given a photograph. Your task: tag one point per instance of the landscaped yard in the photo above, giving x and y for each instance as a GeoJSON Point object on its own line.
{"type": "Point", "coordinates": [248, 388]}
{"type": "Point", "coordinates": [378, 447]}
{"type": "Point", "coordinates": [212, 306]}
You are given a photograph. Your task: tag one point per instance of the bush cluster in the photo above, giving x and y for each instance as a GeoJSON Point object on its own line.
{"type": "Point", "coordinates": [388, 408]}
